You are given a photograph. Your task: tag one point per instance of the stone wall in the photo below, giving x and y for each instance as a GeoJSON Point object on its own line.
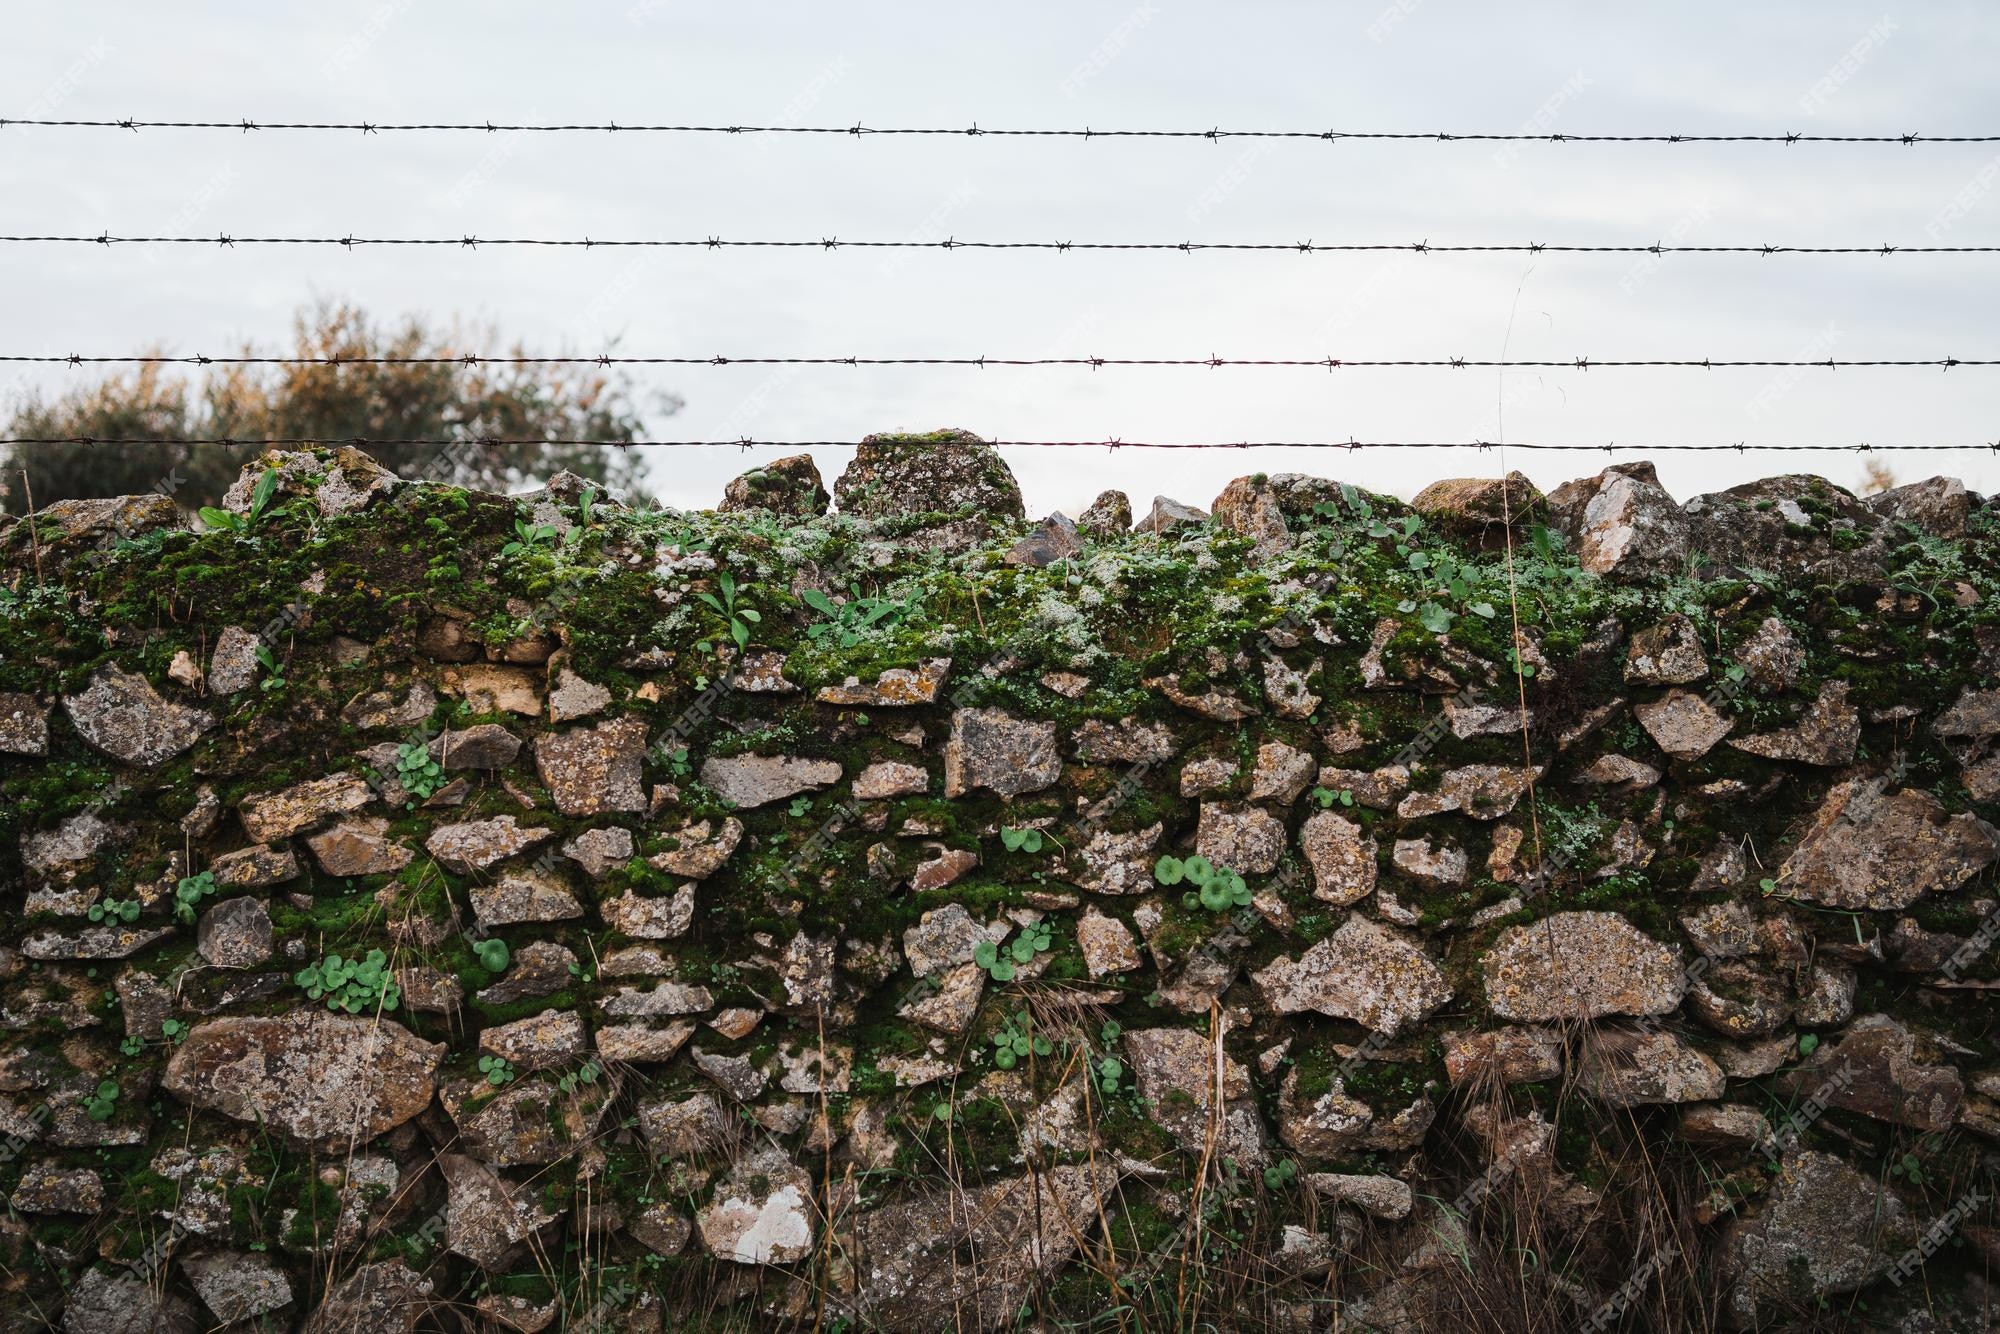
{"type": "Point", "coordinates": [442, 910]}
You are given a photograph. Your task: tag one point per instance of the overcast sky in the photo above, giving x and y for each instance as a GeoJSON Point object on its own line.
{"type": "Point", "coordinates": [1820, 66]}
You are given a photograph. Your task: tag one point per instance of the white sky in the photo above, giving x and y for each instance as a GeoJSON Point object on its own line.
{"type": "Point", "coordinates": [1821, 66]}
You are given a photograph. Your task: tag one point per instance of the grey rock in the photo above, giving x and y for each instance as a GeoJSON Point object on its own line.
{"type": "Point", "coordinates": [750, 781]}
{"type": "Point", "coordinates": [121, 714]}
{"type": "Point", "coordinates": [996, 750]}
{"type": "Point", "coordinates": [1362, 972]}
{"type": "Point", "coordinates": [946, 472]}
{"type": "Point", "coordinates": [236, 933]}
{"type": "Point", "coordinates": [594, 770]}
{"type": "Point", "coordinates": [1580, 965]}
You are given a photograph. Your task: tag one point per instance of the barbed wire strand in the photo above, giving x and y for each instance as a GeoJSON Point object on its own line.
{"type": "Point", "coordinates": [1113, 443]}
{"type": "Point", "coordinates": [983, 362]}
{"type": "Point", "coordinates": [225, 240]}
{"type": "Point", "coordinates": [975, 131]}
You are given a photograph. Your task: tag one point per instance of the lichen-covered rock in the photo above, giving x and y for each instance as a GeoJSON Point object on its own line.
{"type": "Point", "coordinates": [1877, 1070]}
{"type": "Point", "coordinates": [790, 485]}
{"type": "Point", "coordinates": [1827, 734]}
{"type": "Point", "coordinates": [1342, 857]}
{"type": "Point", "coordinates": [1867, 848]}
{"type": "Point", "coordinates": [316, 1078]}
{"type": "Point", "coordinates": [1249, 508]}
{"type": "Point", "coordinates": [1683, 724]}
{"type": "Point", "coordinates": [359, 846]}
{"type": "Point", "coordinates": [525, 896]}
{"type": "Point", "coordinates": [750, 781]}
{"type": "Point", "coordinates": [280, 815]}
{"type": "Point", "coordinates": [1625, 1069]}
{"type": "Point", "coordinates": [1621, 522]}
{"type": "Point", "coordinates": [600, 851]}
{"type": "Point", "coordinates": [487, 1216]}
{"type": "Point", "coordinates": [1244, 838]}
{"type": "Point", "coordinates": [946, 472]}
{"type": "Point", "coordinates": [594, 770]}
{"type": "Point", "coordinates": [762, 1214]}
{"type": "Point", "coordinates": [24, 724]}
{"type": "Point", "coordinates": [1176, 1073]}
{"type": "Point", "coordinates": [1482, 509]}
{"type": "Point", "coordinates": [387, 1297]}
{"type": "Point", "coordinates": [1580, 965]}
{"type": "Point", "coordinates": [1166, 515]}
{"type": "Point", "coordinates": [478, 844]}
{"type": "Point", "coordinates": [1793, 525]}
{"type": "Point", "coordinates": [1053, 539]}
{"type": "Point", "coordinates": [1110, 515]}
{"type": "Point", "coordinates": [1362, 972]}
{"type": "Point", "coordinates": [236, 933]}
{"type": "Point", "coordinates": [1825, 1229]}
{"type": "Point", "coordinates": [699, 850]}
{"type": "Point", "coordinates": [122, 715]}
{"type": "Point", "coordinates": [238, 1285]}
{"type": "Point", "coordinates": [896, 688]}
{"type": "Point", "coordinates": [999, 751]}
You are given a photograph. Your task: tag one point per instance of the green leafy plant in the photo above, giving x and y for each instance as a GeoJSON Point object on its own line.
{"type": "Point", "coordinates": [1281, 1173]}
{"type": "Point", "coordinates": [419, 774]}
{"type": "Point", "coordinates": [103, 1103]}
{"type": "Point", "coordinates": [800, 806]}
{"type": "Point", "coordinates": [1021, 840]}
{"type": "Point", "coordinates": [1910, 1168]}
{"type": "Point", "coordinates": [174, 1031]}
{"type": "Point", "coordinates": [498, 1070]}
{"type": "Point", "coordinates": [274, 669]}
{"type": "Point", "coordinates": [132, 1045]}
{"type": "Point", "coordinates": [1003, 964]}
{"type": "Point", "coordinates": [1109, 1071]}
{"type": "Point", "coordinates": [1217, 888]}
{"type": "Point", "coordinates": [530, 536]}
{"type": "Point", "coordinates": [1017, 1038]}
{"type": "Point", "coordinates": [1808, 1044]}
{"type": "Point", "coordinates": [849, 623]}
{"type": "Point", "coordinates": [726, 604]}
{"type": "Point", "coordinates": [493, 955]}
{"type": "Point", "coordinates": [114, 910]}
{"type": "Point", "coordinates": [260, 500]}
{"type": "Point", "coordinates": [352, 985]}
{"type": "Point", "coordinates": [189, 891]}
{"type": "Point", "coordinates": [582, 1076]}
{"type": "Point", "coordinates": [1326, 796]}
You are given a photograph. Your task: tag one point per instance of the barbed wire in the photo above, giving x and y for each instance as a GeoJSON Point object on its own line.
{"type": "Point", "coordinates": [470, 359]}
{"type": "Point", "coordinates": [226, 240]}
{"type": "Point", "coordinates": [974, 131]}
{"type": "Point", "coordinates": [1112, 443]}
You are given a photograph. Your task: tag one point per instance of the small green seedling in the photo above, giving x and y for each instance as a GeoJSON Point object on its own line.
{"type": "Point", "coordinates": [529, 536]}
{"type": "Point", "coordinates": [724, 603]}
{"type": "Point", "coordinates": [103, 1103]}
{"type": "Point", "coordinates": [114, 910]}
{"type": "Point", "coordinates": [1280, 1174]}
{"type": "Point", "coordinates": [260, 500]}
{"type": "Point", "coordinates": [987, 955]}
{"type": "Point", "coordinates": [1808, 1044]}
{"type": "Point", "coordinates": [581, 1076]}
{"type": "Point", "coordinates": [274, 669]}
{"type": "Point", "coordinates": [1327, 797]}
{"type": "Point", "coordinates": [1109, 1070]}
{"type": "Point", "coordinates": [1016, 1038]}
{"type": "Point", "coordinates": [1020, 840]}
{"type": "Point", "coordinates": [1910, 1168]}
{"type": "Point", "coordinates": [1217, 888]}
{"type": "Point", "coordinates": [416, 771]}
{"type": "Point", "coordinates": [132, 1045]}
{"type": "Point", "coordinates": [189, 891]}
{"type": "Point", "coordinates": [498, 1070]}
{"type": "Point", "coordinates": [800, 806]}
{"type": "Point", "coordinates": [352, 985]}
{"type": "Point", "coordinates": [494, 956]}
{"type": "Point", "coordinates": [174, 1031]}
{"type": "Point", "coordinates": [1109, 1033]}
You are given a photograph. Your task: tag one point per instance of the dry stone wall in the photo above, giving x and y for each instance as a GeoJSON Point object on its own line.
{"type": "Point", "coordinates": [441, 910]}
